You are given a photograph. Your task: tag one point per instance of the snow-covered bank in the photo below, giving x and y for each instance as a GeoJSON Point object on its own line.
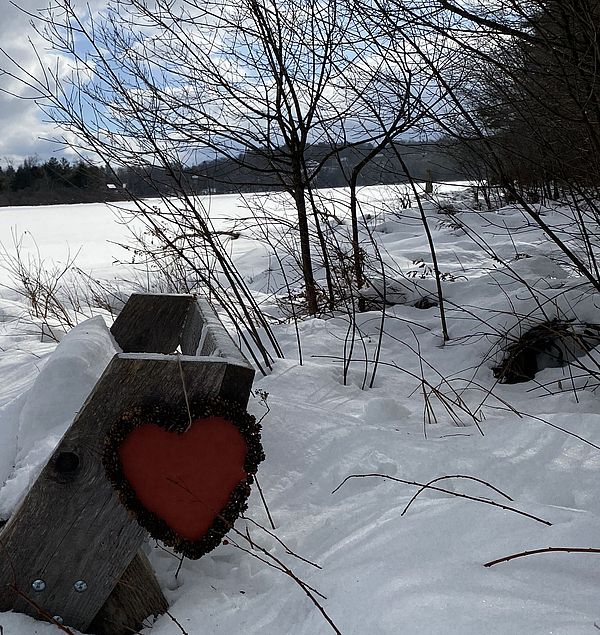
{"type": "Point", "coordinates": [383, 571]}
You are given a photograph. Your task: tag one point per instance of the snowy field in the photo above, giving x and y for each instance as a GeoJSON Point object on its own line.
{"type": "Point", "coordinates": [433, 411]}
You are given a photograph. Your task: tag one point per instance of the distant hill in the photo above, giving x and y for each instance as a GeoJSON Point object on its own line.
{"type": "Point", "coordinates": [59, 181]}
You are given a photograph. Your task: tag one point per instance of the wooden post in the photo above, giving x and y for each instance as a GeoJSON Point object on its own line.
{"type": "Point", "coordinates": [70, 549]}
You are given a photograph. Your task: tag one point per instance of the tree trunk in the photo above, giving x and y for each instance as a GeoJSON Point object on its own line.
{"type": "Point", "coordinates": [307, 270]}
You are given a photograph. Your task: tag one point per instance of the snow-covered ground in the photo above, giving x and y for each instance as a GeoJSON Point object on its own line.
{"type": "Point", "coordinates": [432, 411]}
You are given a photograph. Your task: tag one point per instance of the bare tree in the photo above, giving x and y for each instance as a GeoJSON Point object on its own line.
{"type": "Point", "coordinates": [167, 82]}
{"type": "Point", "coordinates": [519, 80]}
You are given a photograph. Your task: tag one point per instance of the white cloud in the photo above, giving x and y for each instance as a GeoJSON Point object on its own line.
{"type": "Point", "coordinates": [22, 126]}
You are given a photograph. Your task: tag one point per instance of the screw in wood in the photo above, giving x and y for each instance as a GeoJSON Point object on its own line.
{"type": "Point", "coordinates": [80, 586]}
{"type": "Point", "coordinates": [38, 585]}
{"type": "Point", "coordinates": [58, 619]}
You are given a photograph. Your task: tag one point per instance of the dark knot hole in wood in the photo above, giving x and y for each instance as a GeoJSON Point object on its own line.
{"type": "Point", "coordinates": [66, 466]}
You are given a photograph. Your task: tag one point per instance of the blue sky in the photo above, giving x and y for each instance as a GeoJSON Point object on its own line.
{"type": "Point", "coordinates": [22, 128]}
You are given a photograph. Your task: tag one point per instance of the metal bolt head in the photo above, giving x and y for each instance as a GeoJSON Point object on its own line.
{"type": "Point", "coordinates": [58, 619]}
{"type": "Point", "coordinates": [38, 585]}
{"type": "Point", "coordinates": [80, 586]}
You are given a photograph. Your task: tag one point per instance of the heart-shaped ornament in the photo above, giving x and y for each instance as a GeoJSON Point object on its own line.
{"type": "Point", "coordinates": [185, 475]}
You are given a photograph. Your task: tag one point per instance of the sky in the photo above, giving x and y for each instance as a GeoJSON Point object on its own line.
{"type": "Point", "coordinates": [20, 121]}
{"type": "Point", "coordinates": [23, 130]}
{"type": "Point", "coordinates": [22, 126]}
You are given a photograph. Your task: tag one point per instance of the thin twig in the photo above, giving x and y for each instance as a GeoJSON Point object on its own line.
{"type": "Point", "coordinates": [179, 566]}
{"type": "Point", "coordinates": [287, 549]}
{"type": "Point", "coordinates": [41, 611]}
{"type": "Point", "coordinates": [445, 491]}
{"type": "Point", "coordinates": [533, 552]}
{"type": "Point", "coordinates": [264, 502]}
{"type": "Point", "coordinates": [307, 590]}
{"type": "Point", "coordinates": [174, 619]}
{"type": "Point", "coordinates": [442, 478]}
{"type": "Point", "coordinates": [185, 394]}
{"type": "Point", "coordinates": [279, 564]}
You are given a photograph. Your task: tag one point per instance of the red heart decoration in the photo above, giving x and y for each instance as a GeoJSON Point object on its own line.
{"type": "Point", "coordinates": [185, 479]}
{"type": "Point", "coordinates": [186, 473]}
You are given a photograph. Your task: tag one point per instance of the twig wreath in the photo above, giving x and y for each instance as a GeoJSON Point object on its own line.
{"type": "Point", "coordinates": [184, 474]}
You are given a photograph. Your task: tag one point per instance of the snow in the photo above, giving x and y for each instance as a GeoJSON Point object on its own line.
{"type": "Point", "coordinates": [382, 571]}
{"type": "Point", "coordinates": [33, 423]}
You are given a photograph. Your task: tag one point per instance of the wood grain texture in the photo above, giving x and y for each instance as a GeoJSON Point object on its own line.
{"type": "Point", "coordinates": [151, 323]}
{"type": "Point", "coordinates": [76, 529]}
{"type": "Point", "coordinates": [71, 525]}
{"type": "Point", "coordinates": [215, 338]}
{"type": "Point", "coordinates": [133, 603]}
{"type": "Point", "coordinates": [192, 330]}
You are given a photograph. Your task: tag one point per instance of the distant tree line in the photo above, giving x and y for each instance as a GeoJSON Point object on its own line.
{"type": "Point", "coordinates": [56, 181]}
{"type": "Point", "coordinates": [60, 181]}
{"type": "Point", "coordinates": [262, 171]}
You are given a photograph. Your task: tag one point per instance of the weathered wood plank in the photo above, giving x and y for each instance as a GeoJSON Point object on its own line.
{"type": "Point", "coordinates": [237, 383]}
{"type": "Point", "coordinates": [71, 525]}
{"type": "Point", "coordinates": [136, 596]}
{"type": "Point", "coordinates": [151, 323]}
{"type": "Point", "coordinates": [192, 330]}
{"type": "Point", "coordinates": [215, 338]}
